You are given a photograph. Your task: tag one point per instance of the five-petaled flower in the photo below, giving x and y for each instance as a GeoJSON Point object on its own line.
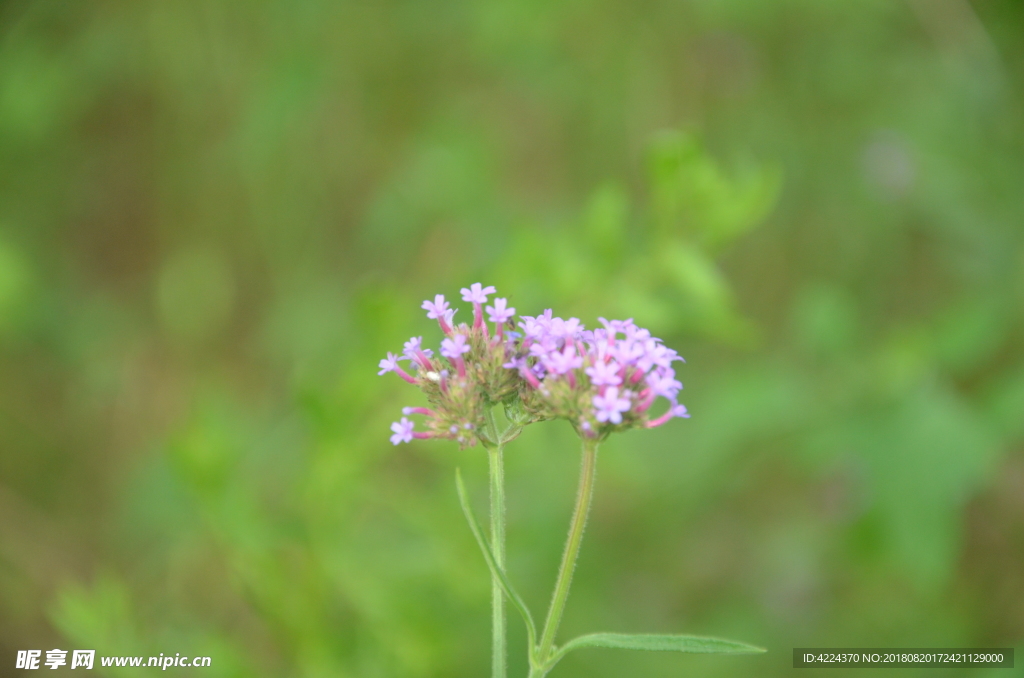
{"type": "Point", "coordinates": [561, 362]}
{"type": "Point", "coordinates": [454, 348]}
{"type": "Point", "coordinates": [416, 344]}
{"type": "Point", "coordinates": [403, 431]}
{"type": "Point", "coordinates": [476, 293]}
{"type": "Point", "coordinates": [603, 373]}
{"type": "Point", "coordinates": [499, 313]}
{"type": "Point", "coordinates": [438, 310]}
{"type": "Point", "coordinates": [414, 351]}
{"type": "Point", "coordinates": [610, 406]}
{"type": "Point", "coordinates": [664, 385]}
{"type": "Point", "coordinates": [390, 364]}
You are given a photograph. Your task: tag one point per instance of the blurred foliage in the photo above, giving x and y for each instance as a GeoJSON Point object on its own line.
{"type": "Point", "coordinates": [217, 216]}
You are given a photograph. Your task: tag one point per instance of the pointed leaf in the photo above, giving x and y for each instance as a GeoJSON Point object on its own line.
{"type": "Point", "coordinates": [659, 642]}
{"type": "Point", "coordinates": [497, 572]}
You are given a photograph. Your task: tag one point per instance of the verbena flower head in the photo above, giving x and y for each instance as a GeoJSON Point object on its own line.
{"type": "Point", "coordinates": [466, 377]}
{"type": "Point", "coordinates": [602, 380]}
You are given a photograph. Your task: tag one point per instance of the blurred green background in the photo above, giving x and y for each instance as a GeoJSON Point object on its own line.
{"type": "Point", "coordinates": [216, 217]}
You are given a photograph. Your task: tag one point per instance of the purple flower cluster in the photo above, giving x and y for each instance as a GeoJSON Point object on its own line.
{"type": "Point", "coordinates": [466, 378]}
{"type": "Point", "coordinates": [600, 380]}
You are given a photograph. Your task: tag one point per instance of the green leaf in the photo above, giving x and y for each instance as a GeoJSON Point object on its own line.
{"type": "Point", "coordinates": [658, 642]}
{"type": "Point", "coordinates": [497, 572]}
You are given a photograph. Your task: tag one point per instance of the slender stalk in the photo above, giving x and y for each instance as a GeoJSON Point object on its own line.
{"type": "Point", "coordinates": [588, 470]}
{"type": "Point", "coordinates": [499, 649]}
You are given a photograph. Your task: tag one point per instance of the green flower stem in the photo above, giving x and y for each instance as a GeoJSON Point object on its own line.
{"type": "Point", "coordinates": [499, 649]}
{"type": "Point", "coordinates": [588, 471]}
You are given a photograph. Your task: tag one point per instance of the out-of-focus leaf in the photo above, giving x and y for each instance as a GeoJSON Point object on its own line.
{"type": "Point", "coordinates": [205, 452]}
{"type": "Point", "coordinates": [696, 276]}
{"type": "Point", "coordinates": [693, 196]}
{"type": "Point", "coordinates": [99, 616]}
{"type": "Point", "coordinates": [927, 454]}
{"type": "Point", "coordinates": [659, 643]}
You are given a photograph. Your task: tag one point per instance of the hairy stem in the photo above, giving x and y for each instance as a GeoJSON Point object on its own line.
{"type": "Point", "coordinates": [588, 470]}
{"type": "Point", "coordinates": [499, 650]}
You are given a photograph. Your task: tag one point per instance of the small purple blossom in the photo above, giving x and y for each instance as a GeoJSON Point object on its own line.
{"type": "Point", "coordinates": [664, 385]}
{"type": "Point", "coordinates": [448, 321]}
{"type": "Point", "coordinates": [389, 364]}
{"type": "Point", "coordinates": [415, 345]}
{"type": "Point", "coordinates": [560, 362]}
{"type": "Point", "coordinates": [542, 347]}
{"type": "Point", "coordinates": [604, 374]}
{"type": "Point", "coordinates": [639, 334]}
{"type": "Point", "coordinates": [499, 313]}
{"type": "Point", "coordinates": [437, 308]}
{"type": "Point", "coordinates": [609, 407]}
{"type": "Point", "coordinates": [656, 354]}
{"type": "Point", "coordinates": [615, 327]}
{"type": "Point", "coordinates": [628, 352]}
{"type": "Point", "coordinates": [521, 365]}
{"type": "Point", "coordinates": [403, 431]}
{"type": "Point", "coordinates": [454, 348]}
{"type": "Point", "coordinates": [538, 326]}
{"type": "Point", "coordinates": [415, 352]}
{"type": "Point", "coordinates": [531, 328]}
{"type": "Point", "coordinates": [600, 346]}
{"type": "Point", "coordinates": [564, 329]}
{"type": "Point", "coordinates": [476, 293]}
